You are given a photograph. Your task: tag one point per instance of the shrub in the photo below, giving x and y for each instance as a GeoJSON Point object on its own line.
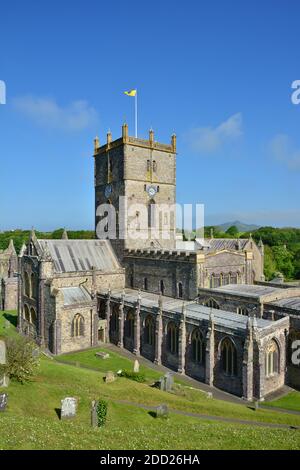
{"type": "Point", "coordinates": [101, 412]}
{"type": "Point", "coordinates": [21, 360]}
{"type": "Point", "coordinates": [137, 376]}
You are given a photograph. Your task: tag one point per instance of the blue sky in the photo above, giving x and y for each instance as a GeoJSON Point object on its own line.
{"type": "Point", "coordinates": [218, 73]}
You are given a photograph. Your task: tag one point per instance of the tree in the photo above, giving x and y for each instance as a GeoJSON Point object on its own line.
{"type": "Point", "coordinates": [21, 359]}
{"type": "Point", "coordinates": [232, 231]}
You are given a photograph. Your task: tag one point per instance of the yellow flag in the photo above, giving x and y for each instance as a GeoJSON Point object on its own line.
{"type": "Point", "coordinates": [130, 93]}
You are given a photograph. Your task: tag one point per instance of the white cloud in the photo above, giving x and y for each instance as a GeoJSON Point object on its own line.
{"type": "Point", "coordinates": [210, 139]}
{"type": "Point", "coordinates": [283, 150]}
{"type": "Point", "coordinates": [76, 116]}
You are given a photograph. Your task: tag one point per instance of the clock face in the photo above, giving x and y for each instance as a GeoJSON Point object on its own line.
{"type": "Point", "coordinates": [151, 191]}
{"type": "Point", "coordinates": [108, 190]}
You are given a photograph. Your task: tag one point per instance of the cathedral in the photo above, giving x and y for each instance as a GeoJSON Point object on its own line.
{"type": "Point", "coordinates": [201, 307]}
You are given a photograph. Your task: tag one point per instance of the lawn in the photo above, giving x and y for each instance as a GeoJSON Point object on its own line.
{"type": "Point", "coordinates": [115, 362]}
{"type": "Point", "coordinates": [288, 402]}
{"type": "Point", "coordinates": [31, 420]}
{"type": "Point", "coordinates": [8, 322]}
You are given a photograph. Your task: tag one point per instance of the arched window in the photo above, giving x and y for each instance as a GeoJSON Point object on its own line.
{"type": "Point", "coordinates": [33, 286]}
{"type": "Point", "coordinates": [228, 357]}
{"type": "Point", "coordinates": [130, 325]}
{"type": "Point", "coordinates": [131, 281]}
{"type": "Point", "coordinates": [293, 346]}
{"type": "Point", "coordinates": [233, 278]}
{"type": "Point", "coordinates": [212, 304]}
{"type": "Point", "coordinates": [145, 283]}
{"type": "Point", "coordinates": [242, 311]}
{"type": "Point", "coordinates": [162, 287]}
{"type": "Point", "coordinates": [149, 331]}
{"type": "Point", "coordinates": [151, 214]}
{"type": "Point", "coordinates": [78, 325]}
{"type": "Point", "coordinates": [272, 359]}
{"type": "Point", "coordinates": [180, 290]}
{"type": "Point", "coordinates": [114, 319]}
{"type": "Point", "coordinates": [225, 280]}
{"type": "Point", "coordinates": [32, 316]}
{"type": "Point", "coordinates": [198, 347]}
{"type": "Point", "coordinates": [27, 284]}
{"type": "Point", "coordinates": [172, 338]}
{"type": "Point", "coordinates": [26, 313]}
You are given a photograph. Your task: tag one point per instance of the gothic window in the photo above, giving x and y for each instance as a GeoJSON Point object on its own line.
{"type": "Point", "coordinates": [212, 304]}
{"type": "Point", "coordinates": [242, 311]}
{"type": "Point", "coordinates": [32, 316]}
{"type": "Point", "coordinates": [131, 281]}
{"type": "Point", "coordinates": [228, 357]}
{"type": "Point", "coordinates": [33, 287]}
{"type": "Point", "coordinates": [180, 290]}
{"type": "Point", "coordinates": [272, 359]}
{"type": "Point", "coordinates": [26, 313]}
{"type": "Point", "coordinates": [162, 287]}
{"type": "Point", "coordinates": [154, 165]}
{"type": "Point", "coordinates": [27, 284]}
{"type": "Point", "coordinates": [114, 319]}
{"type": "Point", "coordinates": [78, 325]}
{"type": "Point", "coordinates": [233, 278]}
{"type": "Point", "coordinates": [226, 279]}
{"type": "Point", "coordinates": [130, 325]}
{"type": "Point", "coordinates": [172, 338]}
{"type": "Point", "coordinates": [198, 347]}
{"type": "Point", "coordinates": [145, 283]}
{"type": "Point", "coordinates": [149, 331]}
{"type": "Point", "coordinates": [148, 165]}
{"type": "Point", "coordinates": [151, 214]}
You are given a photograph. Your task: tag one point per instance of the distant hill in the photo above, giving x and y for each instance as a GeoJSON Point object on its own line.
{"type": "Point", "coordinates": [239, 225]}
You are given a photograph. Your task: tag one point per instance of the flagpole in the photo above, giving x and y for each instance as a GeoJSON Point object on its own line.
{"type": "Point", "coordinates": [136, 117]}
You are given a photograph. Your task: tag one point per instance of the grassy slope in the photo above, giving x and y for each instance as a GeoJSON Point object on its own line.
{"type": "Point", "coordinates": [31, 420]}
{"type": "Point", "coordinates": [8, 323]}
{"type": "Point", "coordinates": [288, 402]}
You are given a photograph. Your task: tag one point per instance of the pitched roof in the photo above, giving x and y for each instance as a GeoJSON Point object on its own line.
{"type": "Point", "coordinates": [75, 295]}
{"type": "Point", "coordinates": [80, 255]}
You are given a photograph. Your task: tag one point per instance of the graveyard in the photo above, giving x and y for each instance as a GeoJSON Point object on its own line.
{"type": "Point", "coordinates": [140, 415]}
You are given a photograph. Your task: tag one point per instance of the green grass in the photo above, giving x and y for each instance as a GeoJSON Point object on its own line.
{"type": "Point", "coordinates": [288, 402]}
{"type": "Point", "coordinates": [8, 323]}
{"type": "Point", "coordinates": [115, 362]}
{"type": "Point", "coordinates": [31, 420]}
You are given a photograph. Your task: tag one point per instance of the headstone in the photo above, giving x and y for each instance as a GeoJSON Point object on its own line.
{"type": "Point", "coordinates": [94, 415]}
{"type": "Point", "coordinates": [7, 324]}
{"type": "Point", "coordinates": [166, 382]}
{"type": "Point", "coordinates": [162, 411]}
{"type": "Point", "coordinates": [102, 355]}
{"type": "Point", "coordinates": [136, 366]}
{"type": "Point", "coordinates": [209, 395]}
{"type": "Point", "coordinates": [109, 377]}
{"type": "Point", "coordinates": [3, 401]}
{"type": "Point", "coordinates": [2, 352]}
{"type": "Point", "coordinates": [68, 408]}
{"type": "Point", "coordinates": [4, 381]}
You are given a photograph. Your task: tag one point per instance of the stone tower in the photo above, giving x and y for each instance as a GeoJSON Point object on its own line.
{"type": "Point", "coordinates": [137, 178]}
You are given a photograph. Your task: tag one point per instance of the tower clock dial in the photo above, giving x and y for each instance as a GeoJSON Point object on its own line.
{"type": "Point", "coordinates": [151, 191]}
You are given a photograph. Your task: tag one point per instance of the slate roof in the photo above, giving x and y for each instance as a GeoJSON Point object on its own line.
{"type": "Point", "coordinates": [218, 244]}
{"type": "Point", "coordinates": [292, 302]}
{"type": "Point", "coordinates": [248, 290]}
{"type": "Point", "coordinates": [81, 255]}
{"type": "Point", "coordinates": [75, 295]}
{"type": "Point", "coordinates": [194, 310]}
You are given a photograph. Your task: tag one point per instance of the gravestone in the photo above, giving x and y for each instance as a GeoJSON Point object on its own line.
{"type": "Point", "coordinates": [109, 377]}
{"type": "Point", "coordinates": [166, 382]}
{"type": "Point", "coordinates": [3, 401]}
{"type": "Point", "coordinates": [2, 352]}
{"type": "Point", "coordinates": [94, 415]}
{"type": "Point", "coordinates": [136, 366]}
{"type": "Point", "coordinates": [162, 411]}
{"type": "Point", "coordinates": [4, 380]}
{"type": "Point", "coordinates": [68, 408]}
{"type": "Point", "coordinates": [209, 395]}
{"type": "Point", "coordinates": [102, 355]}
